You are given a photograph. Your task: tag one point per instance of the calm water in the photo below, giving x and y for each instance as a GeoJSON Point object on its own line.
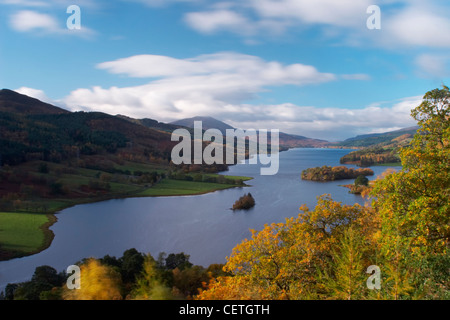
{"type": "Point", "coordinates": [202, 226]}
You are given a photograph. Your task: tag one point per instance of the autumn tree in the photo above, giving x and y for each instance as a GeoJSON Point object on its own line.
{"type": "Point", "coordinates": [244, 203]}
{"type": "Point", "coordinates": [345, 278]}
{"type": "Point", "coordinates": [98, 282]}
{"type": "Point", "coordinates": [414, 203]}
{"type": "Point", "coordinates": [149, 284]}
{"type": "Point", "coordinates": [285, 260]}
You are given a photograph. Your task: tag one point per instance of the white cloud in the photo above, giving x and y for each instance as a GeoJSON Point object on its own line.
{"type": "Point", "coordinates": [49, 3]}
{"type": "Point", "coordinates": [220, 85]}
{"type": "Point", "coordinates": [330, 12]}
{"type": "Point", "coordinates": [418, 26]}
{"type": "Point", "coordinates": [434, 65]}
{"type": "Point", "coordinates": [217, 20]}
{"type": "Point", "coordinates": [192, 86]}
{"type": "Point", "coordinates": [42, 23]}
{"type": "Point", "coordinates": [35, 93]}
{"type": "Point", "coordinates": [25, 3]}
{"type": "Point", "coordinates": [404, 23]}
{"type": "Point", "coordinates": [326, 123]}
{"type": "Point", "coordinates": [27, 20]}
{"type": "Point", "coordinates": [229, 67]}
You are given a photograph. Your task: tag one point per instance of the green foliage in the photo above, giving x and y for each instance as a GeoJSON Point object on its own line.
{"type": "Point", "coordinates": [21, 232]}
{"type": "Point", "coordinates": [414, 203]}
{"type": "Point", "coordinates": [54, 137]}
{"type": "Point", "coordinates": [44, 279]}
{"type": "Point", "coordinates": [149, 285]}
{"type": "Point", "coordinates": [179, 260]}
{"type": "Point", "coordinates": [346, 278]}
{"type": "Point", "coordinates": [131, 264]}
{"type": "Point", "coordinates": [361, 181]}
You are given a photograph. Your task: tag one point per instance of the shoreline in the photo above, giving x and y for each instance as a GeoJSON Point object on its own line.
{"type": "Point", "coordinates": [6, 255]}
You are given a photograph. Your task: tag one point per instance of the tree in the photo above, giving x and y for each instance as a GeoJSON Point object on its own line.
{"type": "Point", "coordinates": [413, 203]}
{"type": "Point", "coordinates": [361, 181]}
{"type": "Point", "coordinates": [131, 264]}
{"type": "Point", "coordinates": [179, 260]}
{"type": "Point", "coordinates": [44, 279]}
{"type": "Point", "coordinates": [47, 274]}
{"type": "Point", "coordinates": [149, 284]}
{"type": "Point", "coordinates": [346, 278]}
{"type": "Point", "coordinates": [190, 280]}
{"type": "Point", "coordinates": [244, 203]}
{"type": "Point", "coordinates": [98, 282]}
{"type": "Point", "coordinates": [285, 260]}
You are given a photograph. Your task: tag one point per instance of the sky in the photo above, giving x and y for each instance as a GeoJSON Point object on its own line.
{"type": "Point", "coordinates": [314, 68]}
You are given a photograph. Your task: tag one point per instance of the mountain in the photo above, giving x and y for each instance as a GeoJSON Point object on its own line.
{"type": "Point", "coordinates": [287, 141]}
{"type": "Point", "coordinates": [34, 130]}
{"type": "Point", "coordinates": [207, 123]}
{"type": "Point", "coordinates": [378, 149]}
{"type": "Point", "coordinates": [295, 141]}
{"type": "Point", "coordinates": [367, 140]}
{"type": "Point", "coordinates": [153, 124]}
{"type": "Point", "coordinates": [11, 101]}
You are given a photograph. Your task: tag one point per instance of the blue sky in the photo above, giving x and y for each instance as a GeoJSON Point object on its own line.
{"type": "Point", "coordinates": [306, 67]}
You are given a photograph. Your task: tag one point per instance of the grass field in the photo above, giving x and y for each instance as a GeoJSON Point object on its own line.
{"type": "Point", "coordinates": [23, 232]}
{"type": "Point", "coordinates": [168, 187]}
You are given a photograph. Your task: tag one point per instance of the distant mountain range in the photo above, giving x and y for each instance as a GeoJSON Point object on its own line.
{"type": "Point", "coordinates": [286, 140]}
{"type": "Point", "coordinates": [31, 129]}
{"type": "Point", "coordinates": [207, 123]}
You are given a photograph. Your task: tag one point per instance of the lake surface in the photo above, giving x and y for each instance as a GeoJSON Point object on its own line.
{"type": "Point", "coordinates": [202, 226]}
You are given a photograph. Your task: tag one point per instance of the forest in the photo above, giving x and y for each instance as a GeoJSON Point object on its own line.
{"type": "Point", "coordinates": [371, 156]}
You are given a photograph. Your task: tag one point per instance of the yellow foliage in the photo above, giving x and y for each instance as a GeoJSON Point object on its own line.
{"type": "Point", "coordinates": [98, 282]}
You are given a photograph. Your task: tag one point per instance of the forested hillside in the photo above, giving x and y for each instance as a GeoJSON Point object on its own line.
{"type": "Point", "coordinates": [383, 153]}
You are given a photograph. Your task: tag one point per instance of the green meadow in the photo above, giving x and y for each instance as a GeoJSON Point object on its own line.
{"type": "Point", "coordinates": [168, 187]}
{"type": "Point", "coordinates": [24, 233]}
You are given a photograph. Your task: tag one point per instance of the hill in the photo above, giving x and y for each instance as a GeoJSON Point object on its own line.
{"type": "Point", "coordinates": [11, 101]}
{"type": "Point", "coordinates": [207, 123]}
{"type": "Point", "coordinates": [33, 130]}
{"type": "Point", "coordinates": [287, 141]}
{"type": "Point", "coordinates": [380, 149]}
{"type": "Point", "coordinates": [368, 140]}
{"type": "Point", "coordinates": [153, 124]}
